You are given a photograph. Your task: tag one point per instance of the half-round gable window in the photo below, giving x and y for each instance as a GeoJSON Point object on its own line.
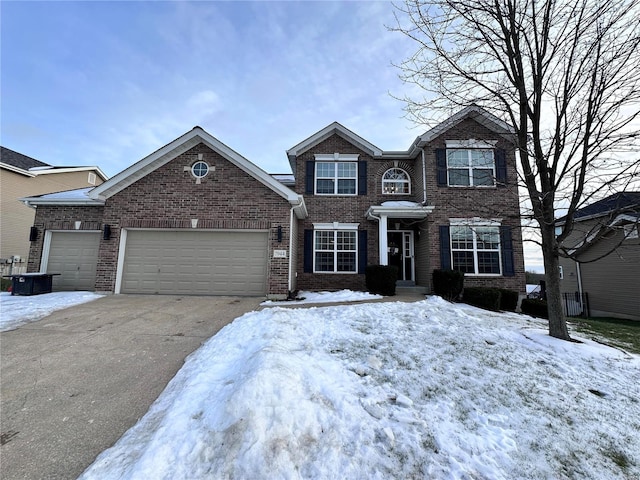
{"type": "Point", "coordinates": [395, 181]}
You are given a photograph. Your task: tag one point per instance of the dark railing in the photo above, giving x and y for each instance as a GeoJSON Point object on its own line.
{"type": "Point", "coordinates": [576, 304]}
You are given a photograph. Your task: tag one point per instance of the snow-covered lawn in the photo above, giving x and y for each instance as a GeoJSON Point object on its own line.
{"type": "Point", "coordinates": [388, 390]}
{"type": "Point", "coordinates": [325, 297]}
{"type": "Point", "coordinates": [17, 310]}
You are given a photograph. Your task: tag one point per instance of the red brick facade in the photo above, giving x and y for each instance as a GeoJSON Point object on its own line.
{"type": "Point", "coordinates": [449, 202]}
{"type": "Point", "coordinates": [234, 198]}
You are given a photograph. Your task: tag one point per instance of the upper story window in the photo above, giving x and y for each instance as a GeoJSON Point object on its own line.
{"type": "Point", "coordinates": [336, 174]}
{"type": "Point", "coordinates": [471, 163]}
{"type": "Point", "coordinates": [395, 181]}
{"type": "Point", "coordinates": [475, 249]}
{"type": "Point", "coordinates": [471, 167]}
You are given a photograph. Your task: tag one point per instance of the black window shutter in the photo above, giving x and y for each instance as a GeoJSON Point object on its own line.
{"type": "Point", "coordinates": [441, 166]}
{"type": "Point", "coordinates": [506, 247]}
{"type": "Point", "coordinates": [445, 248]}
{"type": "Point", "coordinates": [308, 251]}
{"type": "Point", "coordinates": [362, 251]}
{"type": "Point", "coordinates": [501, 167]}
{"type": "Point", "coordinates": [310, 177]}
{"type": "Point", "coordinates": [362, 178]}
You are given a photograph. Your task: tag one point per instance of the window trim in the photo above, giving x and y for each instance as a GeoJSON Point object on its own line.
{"type": "Point", "coordinates": [336, 158]}
{"type": "Point", "coordinates": [199, 177]}
{"type": "Point", "coordinates": [472, 224]}
{"type": "Point", "coordinates": [335, 228]}
{"type": "Point", "coordinates": [470, 168]}
{"type": "Point", "coordinates": [407, 181]}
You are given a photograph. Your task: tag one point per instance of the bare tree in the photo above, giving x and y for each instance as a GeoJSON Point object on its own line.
{"type": "Point", "coordinates": [565, 74]}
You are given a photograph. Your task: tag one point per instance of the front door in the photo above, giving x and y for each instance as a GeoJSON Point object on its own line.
{"type": "Point", "coordinates": [400, 245]}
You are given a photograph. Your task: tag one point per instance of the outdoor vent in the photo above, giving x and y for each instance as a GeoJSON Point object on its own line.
{"type": "Point", "coordinates": [33, 234]}
{"type": "Point", "coordinates": [106, 232]}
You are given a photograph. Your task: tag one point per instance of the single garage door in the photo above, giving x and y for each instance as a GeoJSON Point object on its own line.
{"type": "Point", "coordinates": [75, 256]}
{"type": "Point", "coordinates": [195, 262]}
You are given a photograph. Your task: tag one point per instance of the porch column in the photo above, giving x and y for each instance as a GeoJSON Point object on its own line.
{"type": "Point", "coordinates": [382, 240]}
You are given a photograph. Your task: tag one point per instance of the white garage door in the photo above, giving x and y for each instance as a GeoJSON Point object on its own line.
{"type": "Point", "coordinates": [195, 262]}
{"type": "Point", "coordinates": [75, 256]}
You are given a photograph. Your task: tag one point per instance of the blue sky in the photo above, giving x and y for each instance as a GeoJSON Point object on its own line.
{"type": "Point", "coordinates": [106, 83]}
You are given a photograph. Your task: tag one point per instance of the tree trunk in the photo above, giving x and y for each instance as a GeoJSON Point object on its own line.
{"type": "Point", "coordinates": [557, 322]}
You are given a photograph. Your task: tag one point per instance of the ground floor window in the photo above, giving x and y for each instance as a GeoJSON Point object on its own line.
{"type": "Point", "coordinates": [335, 251]}
{"type": "Point", "coordinates": [475, 249]}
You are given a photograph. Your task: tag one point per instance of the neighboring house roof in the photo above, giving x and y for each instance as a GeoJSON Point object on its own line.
{"type": "Point", "coordinates": [18, 160]}
{"type": "Point", "coordinates": [627, 203]}
{"type": "Point", "coordinates": [616, 209]}
{"type": "Point", "coordinates": [618, 203]}
{"type": "Point", "coordinates": [30, 167]}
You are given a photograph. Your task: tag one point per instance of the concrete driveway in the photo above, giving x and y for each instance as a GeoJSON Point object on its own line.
{"type": "Point", "coordinates": [74, 382]}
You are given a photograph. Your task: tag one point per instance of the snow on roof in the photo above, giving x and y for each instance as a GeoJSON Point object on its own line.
{"type": "Point", "coordinates": [400, 203]}
{"type": "Point", "coordinates": [79, 193]}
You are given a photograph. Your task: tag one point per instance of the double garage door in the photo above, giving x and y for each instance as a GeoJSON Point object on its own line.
{"type": "Point", "coordinates": [195, 262]}
{"type": "Point", "coordinates": [188, 262]}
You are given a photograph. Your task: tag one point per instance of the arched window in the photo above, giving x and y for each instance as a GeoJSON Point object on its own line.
{"type": "Point", "coordinates": [395, 181]}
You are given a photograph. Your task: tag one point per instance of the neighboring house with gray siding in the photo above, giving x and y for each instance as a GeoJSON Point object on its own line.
{"type": "Point", "coordinates": [605, 242]}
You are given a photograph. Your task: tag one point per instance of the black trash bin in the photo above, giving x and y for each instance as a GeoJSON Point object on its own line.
{"type": "Point", "coordinates": [32, 283]}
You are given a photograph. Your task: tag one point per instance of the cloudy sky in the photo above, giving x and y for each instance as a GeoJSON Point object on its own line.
{"type": "Point", "coordinates": [107, 83]}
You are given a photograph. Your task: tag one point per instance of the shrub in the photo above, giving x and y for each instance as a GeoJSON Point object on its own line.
{"type": "Point", "coordinates": [508, 300]}
{"type": "Point", "coordinates": [381, 279]}
{"type": "Point", "coordinates": [448, 283]}
{"type": "Point", "coordinates": [5, 283]}
{"type": "Point", "coordinates": [488, 298]}
{"type": "Point", "coordinates": [537, 308]}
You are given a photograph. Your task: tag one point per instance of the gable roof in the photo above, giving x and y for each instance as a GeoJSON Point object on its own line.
{"type": "Point", "coordinates": [334, 128]}
{"type": "Point", "coordinates": [622, 202]}
{"type": "Point", "coordinates": [476, 113]}
{"type": "Point", "coordinates": [18, 160]}
{"type": "Point", "coordinates": [182, 144]}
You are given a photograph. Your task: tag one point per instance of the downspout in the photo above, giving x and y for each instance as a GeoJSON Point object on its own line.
{"type": "Point", "coordinates": [290, 282]}
{"type": "Point", "coordinates": [424, 180]}
{"type": "Point", "coordinates": [579, 274]}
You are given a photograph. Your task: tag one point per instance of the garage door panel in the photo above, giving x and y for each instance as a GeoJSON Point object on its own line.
{"type": "Point", "coordinates": [195, 262]}
{"type": "Point", "coordinates": [75, 256]}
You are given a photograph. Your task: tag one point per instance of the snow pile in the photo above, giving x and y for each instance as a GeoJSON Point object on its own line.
{"type": "Point", "coordinates": [16, 310]}
{"type": "Point", "coordinates": [326, 297]}
{"type": "Point", "coordinates": [388, 390]}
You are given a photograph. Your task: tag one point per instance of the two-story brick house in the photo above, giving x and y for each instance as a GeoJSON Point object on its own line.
{"type": "Point", "coordinates": [449, 201]}
{"type": "Point", "coordinates": [195, 217]}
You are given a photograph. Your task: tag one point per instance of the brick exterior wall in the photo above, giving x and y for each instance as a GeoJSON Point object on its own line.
{"type": "Point", "coordinates": [229, 198]}
{"type": "Point", "coordinates": [168, 197]}
{"type": "Point", "coordinates": [470, 202]}
{"type": "Point", "coordinates": [348, 209]}
{"type": "Point", "coordinates": [449, 202]}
